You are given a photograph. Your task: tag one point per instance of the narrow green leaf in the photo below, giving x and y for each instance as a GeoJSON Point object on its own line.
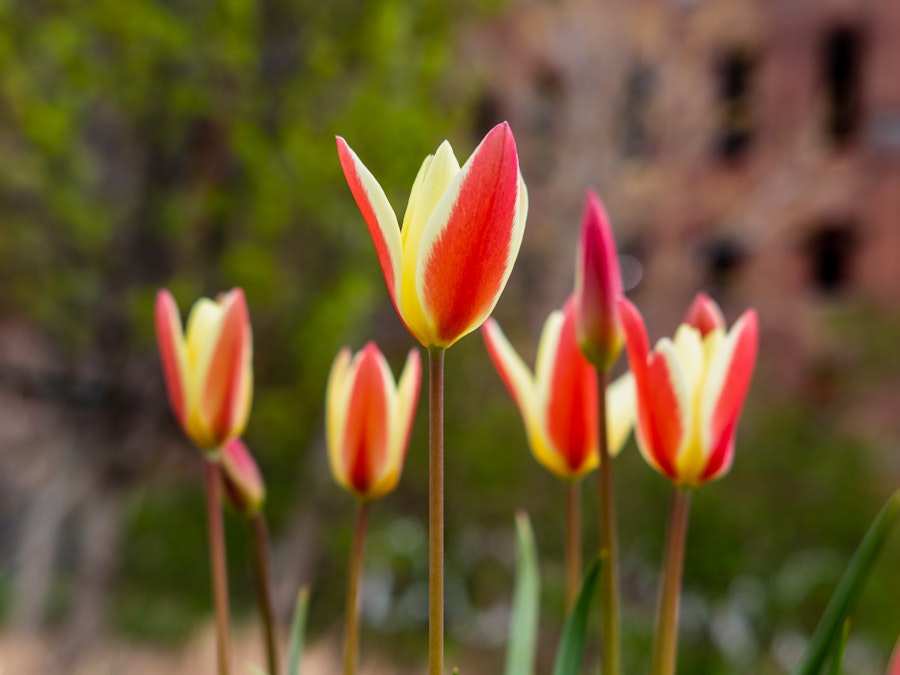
{"type": "Point", "coordinates": [848, 588]}
{"type": "Point", "coordinates": [837, 658]}
{"type": "Point", "coordinates": [298, 631]}
{"type": "Point", "coordinates": [571, 646]}
{"type": "Point", "coordinates": [523, 624]}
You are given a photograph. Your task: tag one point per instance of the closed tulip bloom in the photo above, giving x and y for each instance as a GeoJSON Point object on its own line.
{"type": "Point", "coordinates": [244, 486]}
{"type": "Point", "coordinates": [598, 287]}
{"type": "Point", "coordinates": [446, 267]}
{"type": "Point", "coordinates": [690, 390]}
{"type": "Point", "coordinates": [208, 369]}
{"type": "Point", "coordinates": [558, 402]}
{"type": "Point", "coordinates": [369, 420]}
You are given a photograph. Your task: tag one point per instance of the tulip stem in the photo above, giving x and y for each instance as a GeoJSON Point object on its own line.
{"type": "Point", "coordinates": [665, 646]}
{"type": "Point", "coordinates": [609, 541]}
{"type": "Point", "coordinates": [435, 511]}
{"type": "Point", "coordinates": [216, 531]}
{"type": "Point", "coordinates": [573, 542]}
{"type": "Point", "coordinates": [263, 578]}
{"type": "Point", "coordinates": [354, 579]}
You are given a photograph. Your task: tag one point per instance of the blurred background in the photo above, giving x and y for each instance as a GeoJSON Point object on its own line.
{"type": "Point", "coordinates": [749, 148]}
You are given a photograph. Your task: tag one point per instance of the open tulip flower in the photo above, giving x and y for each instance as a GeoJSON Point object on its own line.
{"type": "Point", "coordinates": [208, 368]}
{"type": "Point", "coordinates": [558, 403]}
{"type": "Point", "coordinates": [690, 390]}
{"type": "Point", "coordinates": [369, 419]}
{"type": "Point", "coordinates": [446, 267]}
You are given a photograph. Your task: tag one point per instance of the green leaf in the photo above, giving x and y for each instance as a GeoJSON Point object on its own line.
{"type": "Point", "coordinates": [298, 631]}
{"type": "Point", "coordinates": [829, 629]}
{"type": "Point", "coordinates": [571, 646]}
{"type": "Point", "coordinates": [838, 657]}
{"type": "Point", "coordinates": [520, 650]}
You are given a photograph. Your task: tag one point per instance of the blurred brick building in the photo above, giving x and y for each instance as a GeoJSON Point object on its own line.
{"type": "Point", "coordinates": [748, 147]}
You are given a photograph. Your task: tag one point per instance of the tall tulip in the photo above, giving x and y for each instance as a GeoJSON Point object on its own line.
{"type": "Point", "coordinates": [690, 392]}
{"type": "Point", "coordinates": [369, 420]}
{"type": "Point", "coordinates": [445, 270]}
{"type": "Point", "coordinates": [209, 378]}
{"type": "Point", "coordinates": [208, 368]}
{"type": "Point", "coordinates": [559, 407]}
{"type": "Point", "coordinates": [598, 288]}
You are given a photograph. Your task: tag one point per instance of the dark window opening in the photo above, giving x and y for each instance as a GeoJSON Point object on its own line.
{"type": "Point", "coordinates": [636, 127]}
{"type": "Point", "coordinates": [735, 73]}
{"type": "Point", "coordinates": [842, 59]}
{"type": "Point", "coordinates": [831, 250]}
{"type": "Point", "coordinates": [486, 115]}
{"type": "Point", "coordinates": [724, 258]}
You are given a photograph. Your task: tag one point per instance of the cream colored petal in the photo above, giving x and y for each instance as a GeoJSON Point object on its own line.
{"type": "Point", "coordinates": [337, 403]}
{"type": "Point", "coordinates": [621, 406]}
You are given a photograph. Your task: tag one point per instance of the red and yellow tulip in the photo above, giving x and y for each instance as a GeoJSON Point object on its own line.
{"type": "Point", "coordinates": [558, 402]}
{"type": "Point", "coordinates": [446, 267]}
{"type": "Point", "coordinates": [208, 369]}
{"type": "Point", "coordinates": [598, 288]}
{"type": "Point", "coordinates": [369, 420]}
{"type": "Point", "coordinates": [690, 390]}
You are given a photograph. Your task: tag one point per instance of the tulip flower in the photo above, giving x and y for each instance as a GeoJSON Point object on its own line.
{"type": "Point", "coordinates": [369, 420]}
{"type": "Point", "coordinates": [445, 269]}
{"type": "Point", "coordinates": [690, 390]}
{"type": "Point", "coordinates": [208, 368]}
{"type": "Point", "coordinates": [598, 287]}
{"type": "Point", "coordinates": [558, 402]}
{"type": "Point", "coordinates": [559, 406]}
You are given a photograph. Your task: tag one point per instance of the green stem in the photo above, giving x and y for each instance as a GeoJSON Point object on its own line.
{"type": "Point", "coordinates": [609, 542]}
{"type": "Point", "coordinates": [354, 579]}
{"type": "Point", "coordinates": [665, 646]}
{"type": "Point", "coordinates": [263, 578]}
{"type": "Point", "coordinates": [216, 530]}
{"type": "Point", "coordinates": [573, 542]}
{"type": "Point", "coordinates": [435, 511]}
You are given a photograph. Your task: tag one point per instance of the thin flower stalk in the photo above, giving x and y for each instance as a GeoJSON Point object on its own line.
{"type": "Point", "coordinates": [354, 584]}
{"type": "Point", "coordinates": [218, 567]}
{"type": "Point", "coordinates": [573, 542]}
{"type": "Point", "coordinates": [436, 511]}
{"type": "Point", "coordinates": [665, 646]}
{"type": "Point", "coordinates": [263, 581]}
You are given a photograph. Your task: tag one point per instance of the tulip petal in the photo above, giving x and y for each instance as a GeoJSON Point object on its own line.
{"type": "Point", "coordinates": [170, 337]}
{"type": "Point", "coordinates": [228, 385]}
{"type": "Point", "coordinates": [659, 425]}
{"type": "Point", "coordinates": [704, 315]}
{"type": "Point", "coordinates": [366, 437]}
{"type": "Point", "coordinates": [471, 240]}
{"type": "Point", "coordinates": [572, 402]}
{"type": "Point", "coordinates": [379, 217]}
{"type": "Point", "coordinates": [727, 382]}
{"type": "Point", "coordinates": [512, 369]}
{"type": "Point", "coordinates": [620, 412]}
{"type": "Point", "coordinates": [336, 406]}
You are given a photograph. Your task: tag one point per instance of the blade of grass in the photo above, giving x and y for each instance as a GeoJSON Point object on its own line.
{"type": "Point", "coordinates": [520, 650]}
{"type": "Point", "coordinates": [571, 647]}
{"type": "Point", "coordinates": [298, 631]}
{"type": "Point", "coordinates": [848, 588]}
{"type": "Point", "coordinates": [838, 657]}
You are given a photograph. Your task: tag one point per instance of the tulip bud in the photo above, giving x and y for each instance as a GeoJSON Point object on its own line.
{"type": "Point", "coordinates": [704, 315]}
{"type": "Point", "coordinates": [598, 287]}
{"type": "Point", "coordinates": [245, 490]}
